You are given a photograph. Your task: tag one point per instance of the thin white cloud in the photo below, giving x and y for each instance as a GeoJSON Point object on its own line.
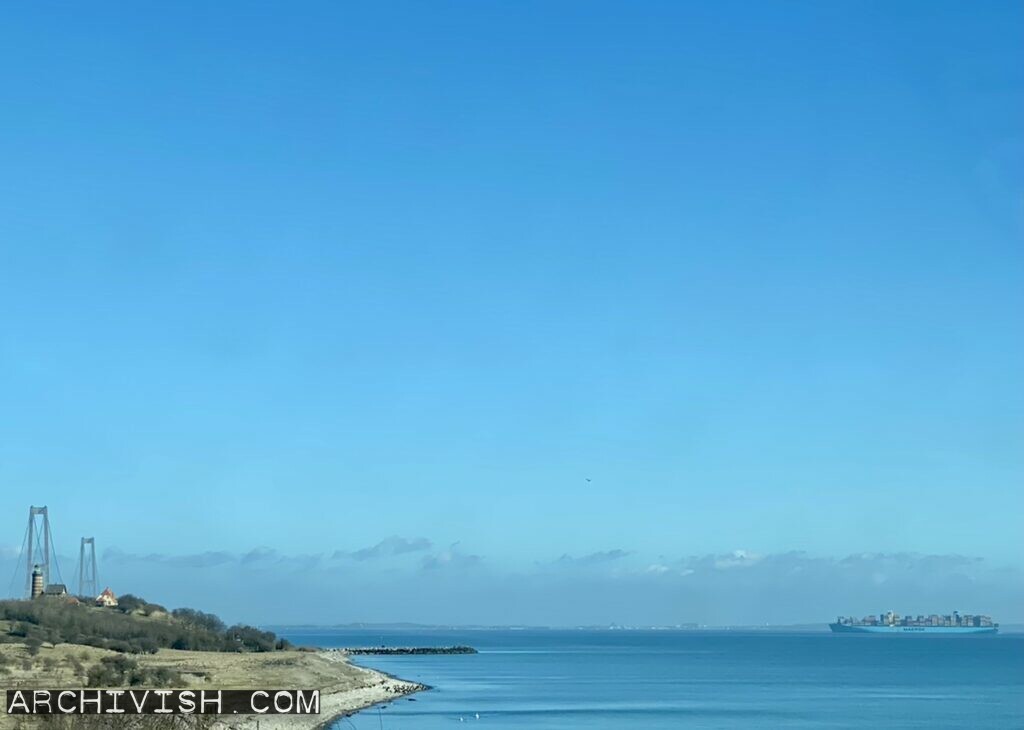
{"type": "Point", "coordinates": [451, 558]}
{"type": "Point", "coordinates": [596, 558]}
{"type": "Point", "coordinates": [387, 547]}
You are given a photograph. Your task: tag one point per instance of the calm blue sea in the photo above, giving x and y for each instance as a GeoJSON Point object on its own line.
{"type": "Point", "coordinates": [661, 679]}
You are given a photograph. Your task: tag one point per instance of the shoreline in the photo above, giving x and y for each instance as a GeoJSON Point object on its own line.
{"type": "Point", "coordinates": [387, 688]}
{"type": "Point", "coordinates": [345, 687]}
{"type": "Point", "coordinates": [378, 688]}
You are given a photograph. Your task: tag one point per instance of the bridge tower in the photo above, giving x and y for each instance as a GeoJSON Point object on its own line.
{"type": "Point", "coordinates": [39, 546]}
{"type": "Point", "coordinates": [88, 583]}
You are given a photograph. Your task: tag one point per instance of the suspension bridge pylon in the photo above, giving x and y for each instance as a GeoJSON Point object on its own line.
{"type": "Point", "coordinates": [38, 554]}
{"type": "Point", "coordinates": [88, 583]}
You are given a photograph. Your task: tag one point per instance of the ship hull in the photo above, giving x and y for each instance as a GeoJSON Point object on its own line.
{"type": "Point", "coordinates": [912, 630]}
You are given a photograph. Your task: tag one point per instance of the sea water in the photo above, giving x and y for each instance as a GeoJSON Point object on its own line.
{"type": "Point", "coordinates": [692, 679]}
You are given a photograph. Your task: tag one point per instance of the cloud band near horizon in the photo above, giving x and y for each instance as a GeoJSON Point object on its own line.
{"type": "Point", "coordinates": [412, 579]}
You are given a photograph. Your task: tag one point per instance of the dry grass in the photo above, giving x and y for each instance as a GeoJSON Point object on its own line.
{"type": "Point", "coordinates": [65, 666]}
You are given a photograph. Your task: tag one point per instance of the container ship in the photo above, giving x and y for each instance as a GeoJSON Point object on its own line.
{"type": "Point", "coordinates": [893, 623]}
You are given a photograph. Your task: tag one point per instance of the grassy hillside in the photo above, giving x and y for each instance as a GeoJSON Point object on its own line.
{"type": "Point", "coordinates": [52, 642]}
{"type": "Point", "coordinates": [133, 627]}
{"type": "Point", "coordinates": [345, 688]}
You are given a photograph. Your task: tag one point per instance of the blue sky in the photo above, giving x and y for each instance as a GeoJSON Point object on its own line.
{"type": "Point", "coordinates": [311, 279]}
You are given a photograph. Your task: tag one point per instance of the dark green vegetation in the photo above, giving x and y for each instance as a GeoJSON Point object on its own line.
{"type": "Point", "coordinates": [135, 626]}
{"type": "Point", "coordinates": [123, 671]}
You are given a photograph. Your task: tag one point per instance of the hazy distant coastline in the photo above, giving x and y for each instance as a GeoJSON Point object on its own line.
{"type": "Point", "coordinates": [359, 626]}
{"type": "Point", "coordinates": [407, 626]}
